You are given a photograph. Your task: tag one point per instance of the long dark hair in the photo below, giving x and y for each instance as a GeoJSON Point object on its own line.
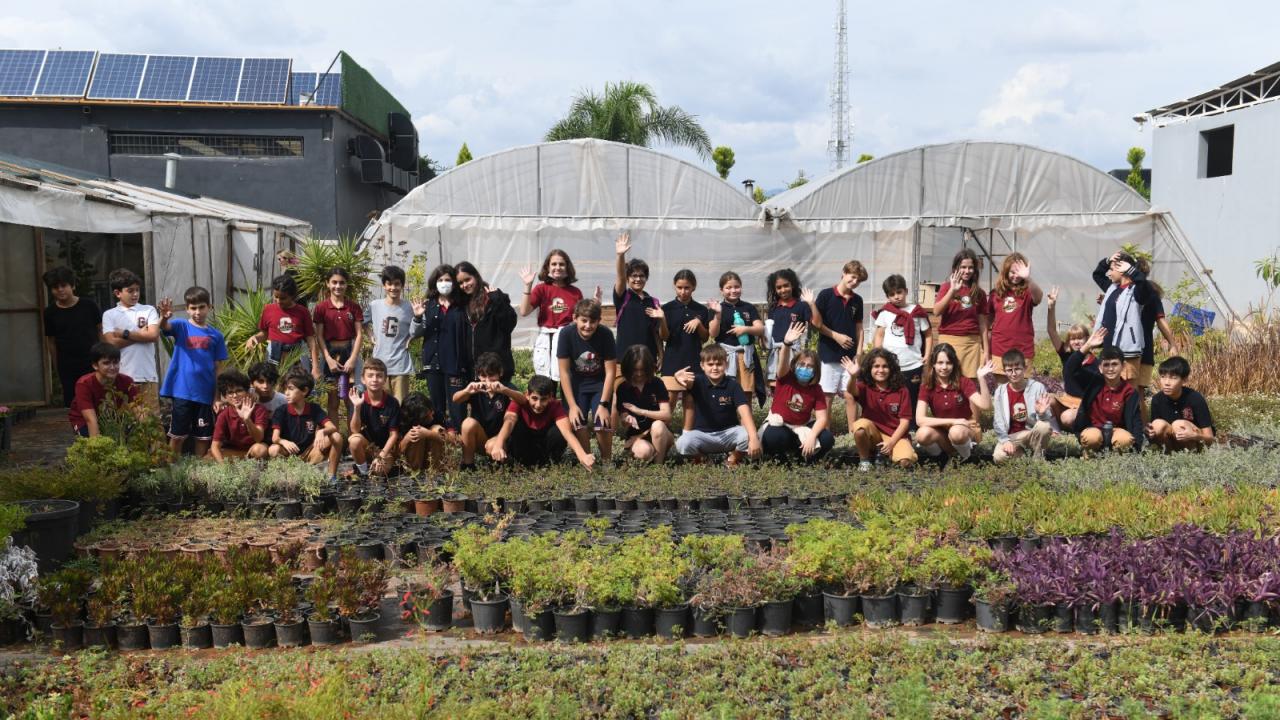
{"type": "Point", "coordinates": [441, 270]}
{"type": "Point", "coordinates": [478, 301]}
{"type": "Point", "coordinates": [976, 293]}
{"type": "Point", "coordinates": [771, 294]}
{"type": "Point", "coordinates": [895, 371]}
{"type": "Point", "coordinates": [638, 357]}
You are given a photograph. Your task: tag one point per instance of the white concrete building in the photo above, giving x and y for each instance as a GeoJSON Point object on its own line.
{"type": "Point", "coordinates": [1215, 162]}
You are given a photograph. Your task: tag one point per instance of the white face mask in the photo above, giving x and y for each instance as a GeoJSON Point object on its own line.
{"type": "Point", "coordinates": [444, 287]}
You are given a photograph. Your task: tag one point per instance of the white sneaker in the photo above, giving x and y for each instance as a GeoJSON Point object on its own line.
{"type": "Point", "coordinates": [964, 451]}
{"type": "Point", "coordinates": [864, 466]}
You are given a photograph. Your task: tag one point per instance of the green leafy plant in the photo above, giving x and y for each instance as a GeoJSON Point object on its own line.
{"type": "Point", "coordinates": [284, 596]}
{"type": "Point", "coordinates": [61, 593]}
{"type": "Point", "coordinates": [323, 594]}
{"type": "Point", "coordinates": [292, 478]}
{"type": "Point", "coordinates": [12, 519]}
{"type": "Point", "coordinates": [317, 257]}
{"type": "Point", "coordinates": [479, 560]}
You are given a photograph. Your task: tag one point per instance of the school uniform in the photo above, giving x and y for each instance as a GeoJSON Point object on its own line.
{"type": "Point", "coordinates": [89, 394]}
{"type": "Point", "coordinates": [138, 360]}
{"type": "Point", "coordinates": [339, 332]}
{"type": "Point", "coordinates": [743, 363]}
{"type": "Point", "coordinates": [715, 418]}
{"type": "Point", "coordinates": [683, 348]}
{"type": "Point", "coordinates": [299, 427]}
{"type": "Point", "coordinates": [1011, 325]}
{"type": "Point", "coordinates": [1101, 403]}
{"type": "Point", "coordinates": [286, 329]}
{"type": "Point", "coordinates": [649, 397]}
{"type": "Point", "coordinates": [781, 317]}
{"type": "Point", "coordinates": [587, 357]}
{"type": "Point", "coordinates": [555, 310]}
{"type": "Point", "coordinates": [633, 325]}
{"type": "Point", "coordinates": [535, 440]}
{"type": "Point", "coordinates": [881, 412]}
{"type": "Point", "coordinates": [488, 410]}
{"type": "Point", "coordinates": [843, 315]}
{"type": "Point", "coordinates": [959, 327]}
{"type": "Point", "coordinates": [231, 432]}
{"type": "Point", "coordinates": [791, 420]}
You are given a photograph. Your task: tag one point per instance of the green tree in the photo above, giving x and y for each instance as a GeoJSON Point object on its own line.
{"type": "Point", "coordinates": [464, 155]}
{"type": "Point", "coordinates": [723, 158]}
{"type": "Point", "coordinates": [801, 179]}
{"type": "Point", "coordinates": [758, 195]}
{"type": "Point", "coordinates": [629, 112]}
{"type": "Point", "coordinates": [864, 157]}
{"type": "Point", "coordinates": [1136, 156]}
{"type": "Point", "coordinates": [427, 169]}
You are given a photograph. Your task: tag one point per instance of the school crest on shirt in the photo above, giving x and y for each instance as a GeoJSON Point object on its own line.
{"type": "Point", "coordinates": [285, 325]}
{"type": "Point", "coordinates": [390, 326]}
{"type": "Point", "coordinates": [1188, 415]}
{"type": "Point", "coordinates": [894, 408]}
{"type": "Point", "coordinates": [588, 363]}
{"type": "Point", "coordinates": [897, 330]}
{"type": "Point", "coordinates": [311, 426]}
{"type": "Point", "coordinates": [1019, 411]}
{"type": "Point", "coordinates": [1010, 304]}
{"type": "Point", "coordinates": [965, 301]}
{"type": "Point", "coordinates": [796, 403]}
{"type": "Point", "coordinates": [558, 305]}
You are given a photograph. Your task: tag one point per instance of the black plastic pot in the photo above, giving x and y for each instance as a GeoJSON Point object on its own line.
{"type": "Point", "coordinates": [539, 626]}
{"type": "Point", "coordinates": [1064, 618]}
{"type": "Point", "coordinates": [573, 627]}
{"type": "Point", "coordinates": [226, 635]}
{"type": "Point", "coordinates": [259, 633]}
{"type": "Point", "coordinates": [775, 617]}
{"type": "Point", "coordinates": [49, 529]}
{"type": "Point", "coordinates": [1256, 617]}
{"type": "Point", "coordinates": [637, 622]}
{"type": "Point", "coordinates": [163, 637]}
{"type": "Point", "coordinates": [808, 610]}
{"type": "Point", "coordinates": [1087, 620]}
{"type": "Point", "coordinates": [605, 623]}
{"type": "Point", "coordinates": [705, 623]}
{"type": "Point", "coordinates": [1004, 543]}
{"type": "Point", "coordinates": [288, 510]}
{"type": "Point", "coordinates": [292, 634]}
{"type": "Point", "coordinates": [440, 612]}
{"type": "Point", "coordinates": [671, 623]}
{"type": "Point", "coordinates": [991, 618]}
{"type": "Point", "coordinates": [327, 632]}
{"type": "Point", "coordinates": [880, 611]}
{"type": "Point", "coordinates": [1128, 615]}
{"type": "Point", "coordinates": [519, 621]}
{"type": "Point", "coordinates": [99, 636]}
{"type": "Point", "coordinates": [490, 616]}
{"type": "Point", "coordinates": [364, 627]}
{"type": "Point", "coordinates": [953, 605]}
{"type": "Point", "coordinates": [68, 638]}
{"type": "Point", "coordinates": [741, 622]}
{"type": "Point", "coordinates": [133, 637]}
{"type": "Point", "coordinates": [1109, 615]}
{"type": "Point", "coordinates": [1206, 620]}
{"type": "Point", "coordinates": [1035, 619]}
{"type": "Point", "coordinates": [913, 608]}
{"type": "Point", "coordinates": [840, 609]}
{"type": "Point", "coordinates": [199, 637]}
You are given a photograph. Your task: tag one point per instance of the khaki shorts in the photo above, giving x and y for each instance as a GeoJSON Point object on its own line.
{"type": "Point", "coordinates": [1068, 401]}
{"type": "Point", "coordinates": [1132, 371]}
{"type": "Point", "coordinates": [968, 352]}
{"type": "Point", "coordinates": [902, 451]}
{"type": "Point", "coordinates": [399, 386]}
{"type": "Point", "coordinates": [1144, 375]}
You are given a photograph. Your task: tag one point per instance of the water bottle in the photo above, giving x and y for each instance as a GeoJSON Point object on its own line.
{"type": "Point", "coordinates": [1107, 428]}
{"type": "Point", "coordinates": [342, 386]}
{"type": "Point", "coordinates": [738, 321]}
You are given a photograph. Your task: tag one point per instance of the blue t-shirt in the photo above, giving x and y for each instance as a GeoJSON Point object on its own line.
{"type": "Point", "coordinates": [196, 350]}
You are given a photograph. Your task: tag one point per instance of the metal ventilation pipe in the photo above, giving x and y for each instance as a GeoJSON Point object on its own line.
{"type": "Point", "coordinates": [749, 186]}
{"type": "Point", "coordinates": [171, 170]}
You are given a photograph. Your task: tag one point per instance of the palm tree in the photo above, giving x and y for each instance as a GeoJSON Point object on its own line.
{"type": "Point", "coordinates": [629, 112]}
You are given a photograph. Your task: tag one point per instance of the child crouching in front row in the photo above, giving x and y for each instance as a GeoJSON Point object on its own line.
{"type": "Point", "coordinates": [1180, 418]}
{"type": "Point", "coordinates": [717, 418]}
{"type": "Point", "coordinates": [1022, 411]}
{"type": "Point", "coordinates": [375, 422]}
{"type": "Point", "coordinates": [241, 427]}
{"type": "Point", "coordinates": [1109, 400]}
{"type": "Point", "coordinates": [301, 427]}
{"type": "Point", "coordinates": [527, 436]}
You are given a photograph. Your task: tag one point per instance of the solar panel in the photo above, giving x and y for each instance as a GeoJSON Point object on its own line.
{"type": "Point", "coordinates": [215, 80]}
{"type": "Point", "coordinates": [65, 73]}
{"type": "Point", "coordinates": [264, 80]}
{"type": "Point", "coordinates": [329, 90]}
{"type": "Point", "coordinates": [301, 83]}
{"type": "Point", "coordinates": [18, 71]}
{"type": "Point", "coordinates": [117, 77]}
{"type": "Point", "coordinates": [168, 77]}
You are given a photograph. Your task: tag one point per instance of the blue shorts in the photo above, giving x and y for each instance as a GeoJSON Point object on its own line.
{"type": "Point", "coordinates": [191, 418]}
{"type": "Point", "coordinates": [588, 401]}
{"type": "Point", "coordinates": [82, 431]}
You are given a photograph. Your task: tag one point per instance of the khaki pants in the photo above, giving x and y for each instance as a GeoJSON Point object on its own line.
{"type": "Point", "coordinates": [902, 453]}
{"type": "Point", "coordinates": [1091, 439]}
{"type": "Point", "coordinates": [1030, 441]}
{"type": "Point", "coordinates": [968, 351]}
{"type": "Point", "coordinates": [399, 386]}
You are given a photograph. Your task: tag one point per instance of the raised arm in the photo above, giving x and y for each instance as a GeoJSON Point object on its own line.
{"type": "Point", "coordinates": [620, 248]}
{"type": "Point", "coordinates": [1054, 337]}
{"type": "Point", "coordinates": [527, 277]}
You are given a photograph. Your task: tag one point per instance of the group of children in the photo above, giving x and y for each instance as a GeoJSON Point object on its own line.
{"type": "Point", "coordinates": [921, 385]}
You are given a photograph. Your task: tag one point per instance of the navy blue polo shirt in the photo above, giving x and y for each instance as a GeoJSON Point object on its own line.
{"type": "Point", "coordinates": [682, 347]}
{"type": "Point", "coordinates": [749, 316]}
{"type": "Point", "coordinates": [377, 421]}
{"type": "Point", "coordinates": [634, 327]}
{"type": "Point", "coordinates": [488, 410]}
{"type": "Point", "coordinates": [783, 317]}
{"type": "Point", "coordinates": [300, 428]}
{"type": "Point", "coordinates": [649, 397]}
{"type": "Point", "coordinates": [842, 316]}
{"type": "Point", "coordinates": [715, 407]}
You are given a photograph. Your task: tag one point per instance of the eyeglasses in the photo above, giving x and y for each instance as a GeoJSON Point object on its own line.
{"type": "Point", "coordinates": [1014, 369]}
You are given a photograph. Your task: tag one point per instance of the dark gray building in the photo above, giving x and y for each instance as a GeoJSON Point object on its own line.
{"type": "Point", "coordinates": [329, 148]}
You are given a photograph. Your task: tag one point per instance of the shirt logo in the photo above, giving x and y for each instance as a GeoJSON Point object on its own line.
{"type": "Point", "coordinates": [285, 325]}
{"type": "Point", "coordinates": [558, 305]}
{"type": "Point", "coordinates": [722, 399]}
{"type": "Point", "coordinates": [1020, 411]}
{"type": "Point", "coordinates": [1010, 304]}
{"type": "Point", "coordinates": [894, 408]}
{"type": "Point", "coordinates": [390, 326]}
{"type": "Point", "coordinates": [201, 422]}
{"type": "Point", "coordinates": [311, 426]}
{"type": "Point", "coordinates": [199, 342]}
{"type": "Point", "coordinates": [1187, 414]}
{"type": "Point", "coordinates": [588, 363]}
{"type": "Point", "coordinates": [142, 323]}
{"type": "Point", "coordinates": [796, 403]}
{"type": "Point", "coordinates": [965, 301]}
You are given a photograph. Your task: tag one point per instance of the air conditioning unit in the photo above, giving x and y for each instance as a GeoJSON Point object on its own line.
{"type": "Point", "coordinates": [403, 149]}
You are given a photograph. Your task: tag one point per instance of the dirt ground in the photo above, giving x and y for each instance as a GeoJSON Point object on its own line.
{"type": "Point", "coordinates": [41, 441]}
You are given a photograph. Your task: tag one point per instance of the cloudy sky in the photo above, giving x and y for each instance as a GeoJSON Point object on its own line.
{"type": "Point", "coordinates": [1067, 77]}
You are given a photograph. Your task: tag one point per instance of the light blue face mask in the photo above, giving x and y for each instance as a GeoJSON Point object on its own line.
{"type": "Point", "coordinates": [804, 374]}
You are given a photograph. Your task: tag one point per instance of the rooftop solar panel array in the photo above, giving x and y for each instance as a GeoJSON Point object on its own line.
{"type": "Point", "coordinates": [163, 78]}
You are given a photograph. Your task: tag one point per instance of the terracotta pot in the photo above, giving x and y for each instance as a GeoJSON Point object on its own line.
{"type": "Point", "coordinates": [428, 506]}
{"type": "Point", "coordinates": [197, 550]}
{"type": "Point", "coordinates": [106, 549]}
{"type": "Point", "coordinates": [168, 551]}
{"type": "Point", "coordinates": [313, 556]}
{"type": "Point", "coordinates": [219, 550]}
{"type": "Point", "coordinates": [82, 549]}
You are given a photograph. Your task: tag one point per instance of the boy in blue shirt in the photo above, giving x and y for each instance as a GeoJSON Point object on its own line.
{"type": "Point", "coordinates": [717, 418]}
{"type": "Point", "coordinates": [198, 354]}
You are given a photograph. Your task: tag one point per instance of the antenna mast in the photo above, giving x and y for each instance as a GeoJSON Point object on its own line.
{"type": "Point", "coordinates": [838, 147]}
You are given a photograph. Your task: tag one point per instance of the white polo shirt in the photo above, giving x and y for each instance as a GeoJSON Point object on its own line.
{"type": "Point", "coordinates": [138, 361]}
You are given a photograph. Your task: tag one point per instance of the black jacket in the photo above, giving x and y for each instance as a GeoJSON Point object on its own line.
{"type": "Point", "coordinates": [1092, 383]}
{"type": "Point", "coordinates": [491, 332]}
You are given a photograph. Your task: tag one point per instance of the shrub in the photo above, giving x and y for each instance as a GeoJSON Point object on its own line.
{"type": "Point", "coordinates": [292, 478]}
{"type": "Point", "coordinates": [11, 519]}
{"type": "Point", "coordinates": [478, 559]}
{"type": "Point", "coordinates": [17, 578]}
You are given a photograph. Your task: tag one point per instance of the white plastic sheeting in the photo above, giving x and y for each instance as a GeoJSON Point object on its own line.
{"type": "Point", "coordinates": [905, 214]}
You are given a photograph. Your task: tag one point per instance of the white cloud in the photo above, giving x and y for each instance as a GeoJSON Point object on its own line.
{"type": "Point", "coordinates": [1029, 94]}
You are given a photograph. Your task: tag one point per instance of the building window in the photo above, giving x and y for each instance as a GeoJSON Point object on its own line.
{"type": "Point", "coordinates": [205, 146]}
{"type": "Point", "coordinates": [1216, 149]}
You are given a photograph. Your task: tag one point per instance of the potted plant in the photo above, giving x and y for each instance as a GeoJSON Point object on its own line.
{"type": "Point", "coordinates": [428, 601]}
{"type": "Point", "coordinates": [361, 585]}
{"type": "Point", "coordinates": [322, 593]}
{"type": "Point", "coordinates": [824, 551]}
{"type": "Point", "coordinates": [778, 587]}
{"type": "Point", "coordinates": [949, 569]}
{"type": "Point", "coordinates": [227, 607]}
{"type": "Point", "coordinates": [18, 583]}
{"type": "Point", "coordinates": [662, 573]}
{"type": "Point", "coordinates": [731, 594]}
{"type": "Point", "coordinates": [291, 631]}
{"type": "Point", "coordinates": [478, 562]}
{"type": "Point", "coordinates": [606, 588]}
{"type": "Point", "coordinates": [533, 582]}
{"type": "Point", "coordinates": [252, 584]}
{"type": "Point", "coordinates": [993, 595]}
{"type": "Point", "coordinates": [196, 632]}
{"type": "Point", "coordinates": [103, 604]}
{"type": "Point", "coordinates": [62, 593]}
